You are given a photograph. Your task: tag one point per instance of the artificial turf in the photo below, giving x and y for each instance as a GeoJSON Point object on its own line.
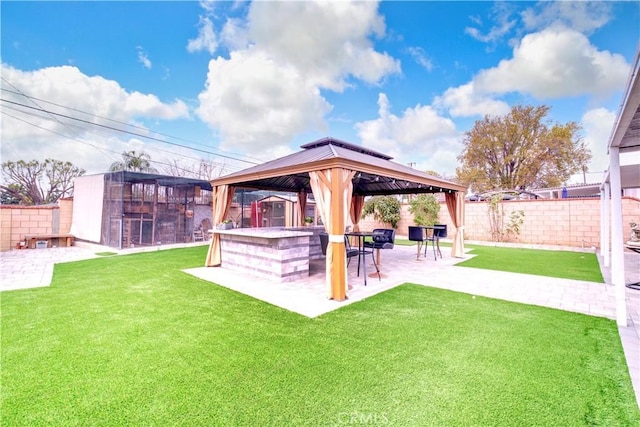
{"type": "Point", "coordinates": [132, 340]}
{"type": "Point", "coordinates": [561, 264]}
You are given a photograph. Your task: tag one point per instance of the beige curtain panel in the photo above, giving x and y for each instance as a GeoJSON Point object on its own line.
{"type": "Point", "coordinates": [302, 206]}
{"type": "Point", "coordinates": [332, 189]}
{"type": "Point", "coordinates": [222, 197]}
{"type": "Point", "coordinates": [455, 206]}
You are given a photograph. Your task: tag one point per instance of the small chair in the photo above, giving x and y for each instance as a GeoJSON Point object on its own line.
{"type": "Point", "coordinates": [416, 234]}
{"type": "Point", "coordinates": [433, 235]}
{"type": "Point", "coordinates": [383, 238]}
{"type": "Point", "coordinates": [350, 252]}
{"type": "Point", "coordinates": [324, 242]}
{"type": "Point", "coordinates": [440, 232]}
{"type": "Point", "coordinates": [198, 235]}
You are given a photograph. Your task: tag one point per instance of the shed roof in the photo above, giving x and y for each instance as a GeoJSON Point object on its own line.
{"type": "Point", "coordinates": [376, 173]}
{"type": "Point", "coordinates": [166, 180]}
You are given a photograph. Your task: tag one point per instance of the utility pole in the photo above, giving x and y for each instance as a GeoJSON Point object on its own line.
{"type": "Point", "coordinates": [411, 165]}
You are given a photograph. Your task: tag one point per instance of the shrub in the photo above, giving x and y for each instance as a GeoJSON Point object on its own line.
{"type": "Point", "coordinates": [424, 209]}
{"type": "Point", "coordinates": [384, 209]}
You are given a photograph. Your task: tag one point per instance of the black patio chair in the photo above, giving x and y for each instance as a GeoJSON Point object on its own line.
{"type": "Point", "coordinates": [433, 235]}
{"type": "Point", "coordinates": [383, 238]}
{"type": "Point", "coordinates": [350, 252]}
{"type": "Point", "coordinates": [416, 234]}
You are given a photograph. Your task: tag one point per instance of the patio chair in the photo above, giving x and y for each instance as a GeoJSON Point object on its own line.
{"type": "Point", "coordinates": [198, 235]}
{"type": "Point", "coordinates": [433, 235]}
{"type": "Point", "coordinates": [350, 252]}
{"type": "Point", "coordinates": [324, 242]}
{"type": "Point", "coordinates": [416, 234]}
{"type": "Point", "coordinates": [440, 232]}
{"type": "Point", "coordinates": [383, 238]}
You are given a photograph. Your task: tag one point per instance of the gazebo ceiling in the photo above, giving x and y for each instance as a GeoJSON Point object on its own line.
{"type": "Point", "coordinates": [375, 174]}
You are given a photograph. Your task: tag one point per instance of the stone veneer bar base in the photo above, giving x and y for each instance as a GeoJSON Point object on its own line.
{"type": "Point", "coordinates": [282, 255]}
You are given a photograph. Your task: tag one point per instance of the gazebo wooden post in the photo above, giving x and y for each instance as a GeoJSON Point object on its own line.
{"type": "Point", "coordinates": [338, 208]}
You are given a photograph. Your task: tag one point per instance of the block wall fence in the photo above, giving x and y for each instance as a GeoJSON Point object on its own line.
{"type": "Point", "coordinates": [18, 221]}
{"type": "Point", "coordinates": [555, 222]}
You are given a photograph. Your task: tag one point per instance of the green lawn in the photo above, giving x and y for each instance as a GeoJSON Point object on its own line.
{"type": "Point", "coordinates": [562, 264]}
{"type": "Point", "coordinates": [132, 340]}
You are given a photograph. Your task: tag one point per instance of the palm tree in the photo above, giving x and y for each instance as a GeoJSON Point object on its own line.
{"type": "Point", "coordinates": [135, 162]}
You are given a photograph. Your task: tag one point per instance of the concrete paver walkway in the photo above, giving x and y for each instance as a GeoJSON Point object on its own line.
{"type": "Point", "coordinates": [34, 268]}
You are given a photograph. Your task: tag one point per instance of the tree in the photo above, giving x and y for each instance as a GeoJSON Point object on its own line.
{"type": "Point", "coordinates": [132, 161]}
{"type": "Point", "coordinates": [35, 183]}
{"type": "Point", "coordinates": [424, 209]}
{"type": "Point", "coordinates": [384, 209]}
{"type": "Point", "coordinates": [521, 150]}
{"type": "Point", "coordinates": [206, 170]}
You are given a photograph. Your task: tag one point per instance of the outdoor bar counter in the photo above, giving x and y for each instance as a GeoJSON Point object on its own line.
{"type": "Point", "coordinates": [277, 253]}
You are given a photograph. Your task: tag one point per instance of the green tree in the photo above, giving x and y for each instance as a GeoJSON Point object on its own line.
{"type": "Point", "coordinates": [36, 183]}
{"type": "Point", "coordinates": [425, 209]}
{"type": "Point", "coordinates": [384, 209]}
{"type": "Point", "coordinates": [133, 161]}
{"type": "Point", "coordinates": [521, 150]}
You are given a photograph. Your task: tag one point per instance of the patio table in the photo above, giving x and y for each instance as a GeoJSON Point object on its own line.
{"type": "Point", "coordinates": [362, 252]}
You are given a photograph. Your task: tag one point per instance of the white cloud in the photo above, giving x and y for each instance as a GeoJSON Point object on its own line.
{"type": "Point", "coordinates": [207, 5]}
{"type": "Point", "coordinates": [420, 135]}
{"type": "Point", "coordinates": [581, 16]}
{"type": "Point", "coordinates": [206, 40]}
{"type": "Point", "coordinates": [554, 63]}
{"type": "Point", "coordinates": [257, 112]}
{"type": "Point", "coordinates": [501, 14]}
{"type": "Point", "coordinates": [143, 58]}
{"type": "Point", "coordinates": [31, 134]}
{"type": "Point", "coordinates": [234, 34]}
{"type": "Point", "coordinates": [466, 101]}
{"type": "Point", "coordinates": [597, 125]}
{"type": "Point", "coordinates": [327, 41]}
{"type": "Point", "coordinates": [282, 57]}
{"type": "Point", "coordinates": [418, 54]}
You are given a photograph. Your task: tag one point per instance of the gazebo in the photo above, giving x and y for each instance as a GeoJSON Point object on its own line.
{"type": "Point", "coordinates": [625, 138]}
{"type": "Point", "coordinates": [339, 175]}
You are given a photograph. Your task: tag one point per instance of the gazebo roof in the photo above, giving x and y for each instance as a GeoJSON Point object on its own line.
{"type": "Point", "coordinates": [376, 173]}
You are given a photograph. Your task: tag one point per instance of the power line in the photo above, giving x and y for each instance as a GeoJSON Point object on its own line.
{"type": "Point", "coordinates": [230, 155]}
{"type": "Point", "coordinates": [126, 132]}
{"type": "Point", "coordinates": [53, 117]}
{"type": "Point", "coordinates": [57, 133]}
{"type": "Point", "coordinates": [93, 146]}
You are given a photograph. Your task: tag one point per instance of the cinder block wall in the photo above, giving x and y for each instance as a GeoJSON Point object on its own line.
{"type": "Point", "coordinates": [18, 221]}
{"type": "Point", "coordinates": [558, 222]}
{"type": "Point", "coordinates": [66, 215]}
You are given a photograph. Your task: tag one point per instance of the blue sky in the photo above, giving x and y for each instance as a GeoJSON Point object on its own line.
{"type": "Point", "coordinates": [238, 82]}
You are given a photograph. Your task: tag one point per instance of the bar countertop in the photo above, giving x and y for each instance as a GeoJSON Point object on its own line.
{"type": "Point", "coordinates": [264, 232]}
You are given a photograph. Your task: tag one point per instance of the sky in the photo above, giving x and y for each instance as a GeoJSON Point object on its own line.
{"type": "Point", "coordinates": [239, 83]}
